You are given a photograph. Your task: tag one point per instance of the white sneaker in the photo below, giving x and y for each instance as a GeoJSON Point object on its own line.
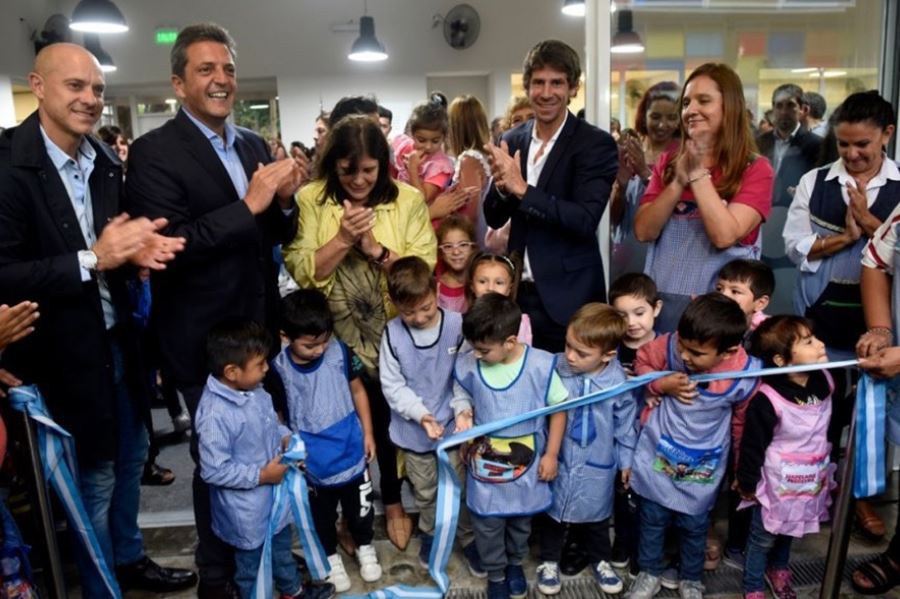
{"type": "Point", "coordinates": [338, 576]}
{"type": "Point", "coordinates": [369, 568]}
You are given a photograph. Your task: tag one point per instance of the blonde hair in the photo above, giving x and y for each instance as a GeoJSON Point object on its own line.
{"type": "Point", "coordinates": [469, 127]}
{"type": "Point", "coordinates": [599, 325]}
{"type": "Point", "coordinates": [516, 103]}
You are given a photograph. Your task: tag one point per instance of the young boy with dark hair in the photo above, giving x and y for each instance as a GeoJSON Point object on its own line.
{"type": "Point", "coordinates": [418, 351]}
{"type": "Point", "coordinates": [598, 444]}
{"type": "Point", "coordinates": [634, 296]}
{"type": "Point", "coordinates": [751, 284]}
{"type": "Point", "coordinates": [240, 440]}
{"type": "Point", "coordinates": [329, 408]}
{"type": "Point", "coordinates": [510, 470]}
{"type": "Point", "coordinates": [682, 451]}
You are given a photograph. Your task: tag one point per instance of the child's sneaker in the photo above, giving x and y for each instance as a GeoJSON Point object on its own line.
{"type": "Point", "coordinates": [669, 578]}
{"type": "Point", "coordinates": [779, 582]}
{"type": "Point", "coordinates": [548, 578]}
{"type": "Point", "coordinates": [644, 586]}
{"type": "Point", "coordinates": [425, 549]}
{"type": "Point", "coordinates": [369, 568]}
{"type": "Point", "coordinates": [497, 589]}
{"type": "Point", "coordinates": [320, 590]}
{"type": "Point", "coordinates": [734, 557]}
{"type": "Point", "coordinates": [755, 595]}
{"type": "Point", "coordinates": [473, 561]}
{"type": "Point", "coordinates": [515, 581]}
{"type": "Point", "coordinates": [338, 576]}
{"type": "Point", "coordinates": [690, 589]}
{"type": "Point", "coordinates": [607, 578]}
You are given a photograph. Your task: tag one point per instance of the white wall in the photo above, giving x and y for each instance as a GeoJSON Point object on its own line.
{"type": "Point", "coordinates": [7, 106]}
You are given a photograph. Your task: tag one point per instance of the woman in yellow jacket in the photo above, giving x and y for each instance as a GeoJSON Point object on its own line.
{"type": "Point", "coordinates": [355, 221]}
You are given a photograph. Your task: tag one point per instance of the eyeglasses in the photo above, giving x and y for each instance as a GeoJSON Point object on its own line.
{"type": "Point", "coordinates": [459, 245]}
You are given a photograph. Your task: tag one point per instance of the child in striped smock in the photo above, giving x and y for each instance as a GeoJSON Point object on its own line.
{"type": "Point", "coordinates": [682, 450]}
{"type": "Point", "coordinates": [418, 352]}
{"type": "Point", "coordinates": [329, 408]}
{"type": "Point", "coordinates": [596, 450]}
{"type": "Point", "coordinates": [509, 470]}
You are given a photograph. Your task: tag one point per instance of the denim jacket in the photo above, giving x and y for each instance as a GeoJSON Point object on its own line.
{"type": "Point", "coordinates": [239, 433]}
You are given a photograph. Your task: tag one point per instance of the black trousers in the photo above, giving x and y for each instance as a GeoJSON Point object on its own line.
{"type": "Point", "coordinates": [355, 499]}
{"type": "Point", "coordinates": [385, 450]}
{"type": "Point", "coordinates": [548, 334]}
{"type": "Point", "coordinates": [595, 534]}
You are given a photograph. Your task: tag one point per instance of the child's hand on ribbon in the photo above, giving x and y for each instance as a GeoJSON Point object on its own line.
{"type": "Point", "coordinates": [273, 472]}
{"type": "Point", "coordinates": [434, 430]}
{"type": "Point", "coordinates": [464, 421]}
{"type": "Point", "coordinates": [679, 386]}
{"type": "Point", "coordinates": [548, 467]}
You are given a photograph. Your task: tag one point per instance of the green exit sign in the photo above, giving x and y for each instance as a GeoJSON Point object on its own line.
{"type": "Point", "coordinates": [166, 37]}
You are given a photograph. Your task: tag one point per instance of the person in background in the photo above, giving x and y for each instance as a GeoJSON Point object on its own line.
{"type": "Point", "coordinates": [114, 138]}
{"type": "Point", "coordinates": [419, 154]}
{"type": "Point", "coordinates": [657, 124]}
{"type": "Point", "coordinates": [815, 119]}
{"type": "Point", "coordinates": [320, 130]}
{"type": "Point", "coordinates": [385, 120]}
{"type": "Point", "coordinates": [468, 135]}
{"type": "Point", "coordinates": [518, 111]}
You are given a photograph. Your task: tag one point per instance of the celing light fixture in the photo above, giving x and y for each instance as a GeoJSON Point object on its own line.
{"type": "Point", "coordinates": [98, 16]}
{"type": "Point", "coordinates": [92, 44]}
{"type": "Point", "coordinates": [573, 8]}
{"type": "Point", "coordinates": [626, 41]}
{"type": "Point", "coordinates": [367, 48]}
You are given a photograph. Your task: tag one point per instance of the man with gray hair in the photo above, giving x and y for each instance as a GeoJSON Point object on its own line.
{"type": "Point", "coordinates": [220, 190]}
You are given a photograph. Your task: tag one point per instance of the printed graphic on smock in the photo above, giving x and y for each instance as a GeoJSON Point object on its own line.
{"type": "Point", "coordinates": [686, 464]}
{"type": "Point", "coordinates": [801, 474]}
{"type": "Point", "coordinates": [500, 459]}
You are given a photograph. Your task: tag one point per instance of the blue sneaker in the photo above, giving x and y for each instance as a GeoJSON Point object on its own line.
{"type": "Point", "coordinates": [425, 549]}
{"type": "Point", "coordinates": [548, 578]}
{"type": "Point", "coordinates": [607, 578]}
{"type": "Point", "coordinates": [473, 561]}
{"type": "Point", "coordinates": [497, 589]}
{"type": "Point", "coordinates": [734, 558]}
{"type": "Point", "coordinates": [515, 581]}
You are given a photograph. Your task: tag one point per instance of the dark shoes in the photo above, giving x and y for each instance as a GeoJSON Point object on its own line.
{"type": "Point", "coordinates": [147, 575]}
{"type": "Point", "coordinates": [157, 476]}
{"type": "Point", "coordinates": [316, 590]}
{"type": "Point", "coordinates": [228, 590]}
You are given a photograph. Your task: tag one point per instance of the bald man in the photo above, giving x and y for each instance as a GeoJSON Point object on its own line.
{"type": "Point", "coordinates": [64, 245]}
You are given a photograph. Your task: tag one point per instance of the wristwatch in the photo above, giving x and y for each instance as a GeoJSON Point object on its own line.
{"type": "Point", "coordinates": [87, 259]}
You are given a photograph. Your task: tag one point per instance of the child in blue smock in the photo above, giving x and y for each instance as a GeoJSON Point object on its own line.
{"type": "Point", "coordinates": [682, 450]}
{"type": "Point", "coordinates": [509, 470]}
{"type": "Point", "coordinates": [598, 445]}
{"type": "Point", "coordinates": [240, 440]}
{"type": "Point", "coordinates": [329, 408]}
{"type": "Point", "coordinates": [418, 352]}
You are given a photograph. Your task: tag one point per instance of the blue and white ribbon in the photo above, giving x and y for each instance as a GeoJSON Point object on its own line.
{"type": "Point", "coordinates": [291, 492]}
{"type": "Point", "coordinates": [60, 470]}
{"type": "Point", "coordinates": [401, 591]}
{"type": "Point", "coordinates": [869, 460]}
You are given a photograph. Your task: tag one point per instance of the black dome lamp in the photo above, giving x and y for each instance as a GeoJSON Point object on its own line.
{"type": "Point", "coordinates": [367, 48]}
{"type": "Point", "coordinates": [98, 16]}
{"type": "Point", "coordinates": [626, 41]}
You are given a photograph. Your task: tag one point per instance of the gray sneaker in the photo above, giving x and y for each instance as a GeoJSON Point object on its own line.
{"type": "Point", "coordinates": [644, 586]}
{"type": "Point", "coordinates": [690, 589]}
{"type": "Point", "coordinates": [669, 579]}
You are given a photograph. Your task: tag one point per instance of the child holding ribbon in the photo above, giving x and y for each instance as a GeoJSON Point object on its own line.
{"type": "Point", "coordinates": [240, 439]}
{"type": "Point", "coordinates": [596, 450]}
{"type": "Point", "coordinates": [784, 474]}
{"type": "Point", "coordinates": [682, 450]}
{"type": "Point", "coordinates": [329, 408]}
{"type": "Point", "coordinates": [508, 471]}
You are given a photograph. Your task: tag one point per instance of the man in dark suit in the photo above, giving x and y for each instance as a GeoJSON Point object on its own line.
{"type": "Point", "coordinates": [219, 189]}
{"type": "Point", "coordinates": [793, 151]}
{"type": "Point", "coordinates": [64, 244]}
{"type": "Point", "coordinates": [552, 177]}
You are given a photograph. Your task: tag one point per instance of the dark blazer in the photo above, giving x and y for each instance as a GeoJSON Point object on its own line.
{"type": "Point", "coordinates": [68, 356]}
{"type": "Point", "coordinates": [557, 220]}
{"type": "Point", "coordinates": [227, 267]}
{"type": "Point", "coordinates": [800, 158]}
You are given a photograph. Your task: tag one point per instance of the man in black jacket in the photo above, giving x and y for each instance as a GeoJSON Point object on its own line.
{"type": "Point", "coordinates": [64, 245]}
{"type": "Point", "coordinates": [217, 186]}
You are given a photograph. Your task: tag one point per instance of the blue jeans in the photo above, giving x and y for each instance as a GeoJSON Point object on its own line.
{"type": "Point", "coordinates": [111, 491]}
{"type": "Point", "coordinates": [763, 550]}
{"type": "Point", "coordinates": [284, 568]}
{"type": "Point", "coordinates": [654, 520]}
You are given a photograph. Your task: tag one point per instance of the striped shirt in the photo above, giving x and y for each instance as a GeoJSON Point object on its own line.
{"type": "Point", "coordinates": [879, 252]}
